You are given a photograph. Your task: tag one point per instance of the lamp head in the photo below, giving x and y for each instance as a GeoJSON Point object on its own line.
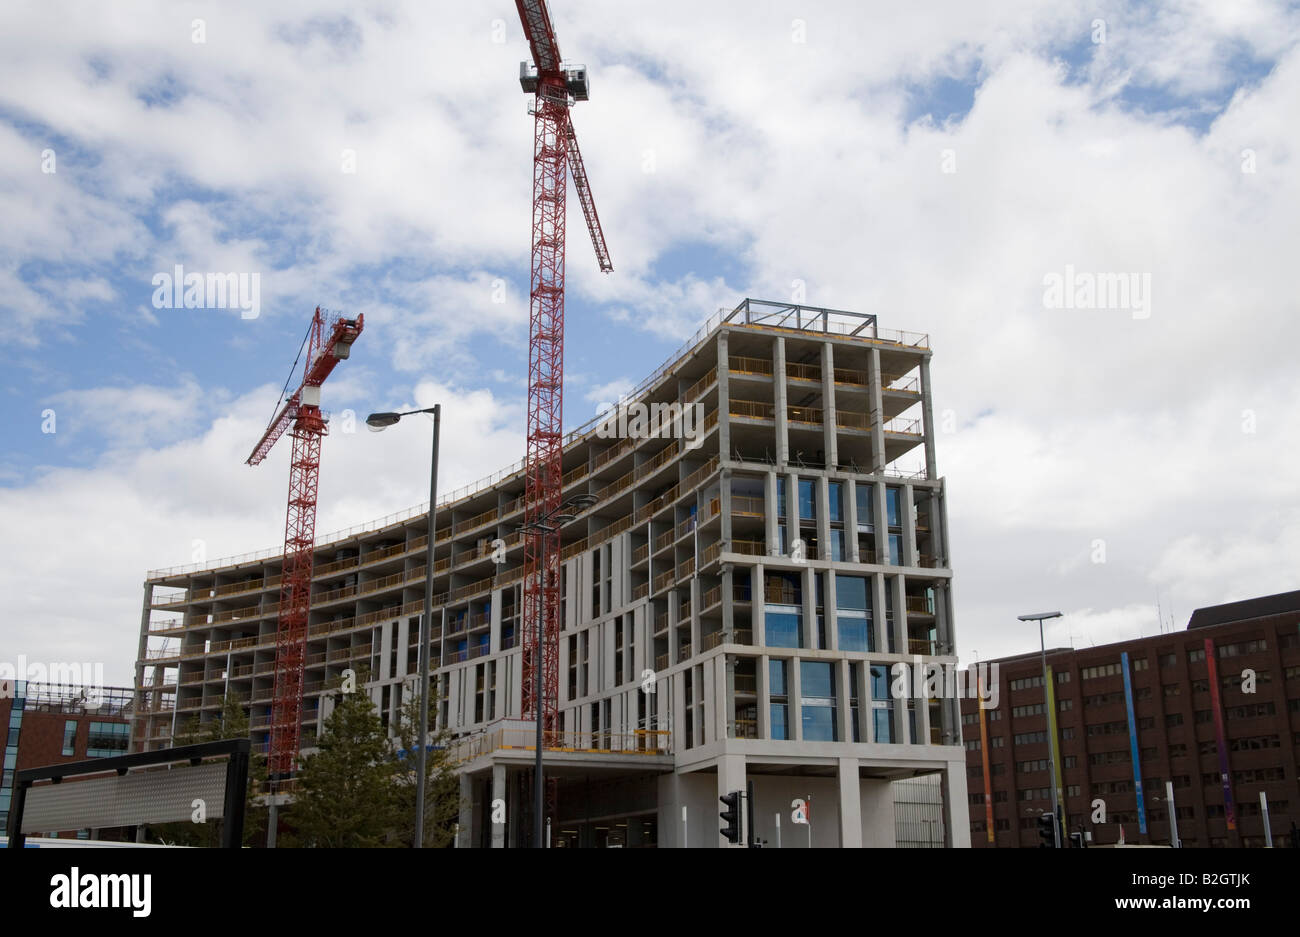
{"type": "Point", "coordinates": [378, 422]}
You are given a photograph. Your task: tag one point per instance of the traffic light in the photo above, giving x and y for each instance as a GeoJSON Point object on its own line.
{"type": "Point", "coordinates": [1047, 830]}
{"type": "Point", "coordinates": [731, 816]}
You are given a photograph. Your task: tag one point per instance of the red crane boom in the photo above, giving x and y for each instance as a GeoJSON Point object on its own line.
{"type": "Point", "coordinates": [302, 412]}
{"type": "Point", "coordinates": [556, 87]}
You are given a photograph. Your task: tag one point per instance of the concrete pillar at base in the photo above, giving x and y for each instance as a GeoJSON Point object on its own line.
{"type": "Point", "coordinates": [466, 837]}
{"type": "Point", "coordinates": [498, 794]}
{"type": "Point", "coordinates": [850, 804]}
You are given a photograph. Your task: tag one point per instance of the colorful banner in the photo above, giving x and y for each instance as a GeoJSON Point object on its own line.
{"type": "Point", "coordinates": [1133, 744]}
{"type": "Point", "coordinates": [984, 749]}
{"type": "Point", "coordinates": [1212, 670]}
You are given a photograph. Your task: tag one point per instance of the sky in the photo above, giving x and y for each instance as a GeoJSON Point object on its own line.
{"type": "Point", "coordinates": [954, 168]}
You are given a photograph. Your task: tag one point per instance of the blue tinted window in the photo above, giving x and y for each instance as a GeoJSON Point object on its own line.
{"type": "Point", "coordinates": [855, 635]}
{"type": "Point", "coordinates": [884, 725]}
{"type": "Point", "coordinates": [896, 549]}
{"type": "Point", "coordinates": [807, 499]}
{"type": "Point", "coordinates": [851, 592]}
{"type": "Point", "coordinates": [70, 737]}
{"type": "Point", "coordinates": [818, 722]}
{"type": "Point", "coordinates": [780, 496]}
{"type": "Point", "coordinates": [879, 681]}
{"type": "Point", "coordinates": [836, 490]}
{"type": "Point", "coordinates": [782, 628]}
{"type": "Point", "coordinates": [779, 728]}
{"type": "Point", "coordinates": [776, 672]}
{"type": "Point", "coordinates": [815, 679]}
{"type": "Point", "coordinates": [891, 506]}
{"type": "Point", "coordinates": [866, 511]}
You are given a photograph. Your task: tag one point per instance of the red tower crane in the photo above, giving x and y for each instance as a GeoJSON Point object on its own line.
{"type": "Point", "coordinates": [302, 412]}
{"type": "Point", "coordinates": [556, 86]}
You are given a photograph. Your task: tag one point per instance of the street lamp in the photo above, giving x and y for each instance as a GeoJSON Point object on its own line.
{"type": "Point", "coordinates": [1051, 736]}
{"type": "Point", "coordinates": [548, 523]}
{"type": "Point", "coordinates": [377, 422]}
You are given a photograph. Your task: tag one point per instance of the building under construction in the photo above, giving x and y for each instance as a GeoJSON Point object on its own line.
{"type": "Point", "coordinates": [768, 539]}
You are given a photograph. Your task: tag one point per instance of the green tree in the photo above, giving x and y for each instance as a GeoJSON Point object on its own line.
{"type": "Point", "coordinates": [442, 785]}
{"type": "Point", "coordinates": [347, 792]}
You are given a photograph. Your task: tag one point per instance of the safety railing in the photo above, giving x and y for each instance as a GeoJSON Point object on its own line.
{"type": "Point", "coordinates": [804, 414]}
{"type": "Point", "coordinates": [744, 506]}
{"type": "Point", "coordinates": [640, 742]}
{"type": "Point", "coordinates": [739, 364]}
{"type": "Point", "coordinates": [803, 372]}
{"type": "Point", "coordinates": [751, 409]}
{"type": "Point", "coordinates": [848, 420]}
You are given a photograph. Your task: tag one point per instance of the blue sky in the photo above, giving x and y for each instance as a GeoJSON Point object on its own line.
{"type": "Point", "coordinates": [741, 150]}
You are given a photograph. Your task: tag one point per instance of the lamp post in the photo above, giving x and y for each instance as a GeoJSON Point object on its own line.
{"type": "Point", "coordinates": [549, 522]}
{"type": "Point", "coordinates": [1051, 736]}
{"type": "Point", "coordinates": [377, 423]}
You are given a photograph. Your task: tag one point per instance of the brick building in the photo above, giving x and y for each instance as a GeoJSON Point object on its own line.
{"type": "Point", "coordinates": [48, 723]}
{"type": "Point", "coordinates": [1222, 697]}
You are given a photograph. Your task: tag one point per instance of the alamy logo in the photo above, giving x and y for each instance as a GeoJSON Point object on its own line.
{"type": "Point", "coordinates": [181, 290]}
{"type": "Point", "coordinates": [638, 420]}
{"type": "Point", "coordinates": [88, 676]}
{"type": "Point", "coordinates": [1083, 290]}
{"type": "Point", "coordinates": [105, 890]}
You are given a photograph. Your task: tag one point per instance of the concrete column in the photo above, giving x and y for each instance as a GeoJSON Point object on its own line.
{"type": "Point", "coordinates": [956, 806]}
{"type": "Point", "coordinates": [498, 797]}
{"type": "Point", "coordinates": [758, 605]}
{"type": "Point", "coordinates": [794, 712]}
{"type": "Point", "coordinates": [850, 790]}
{"type": "Point", "coordinates": [851, 522]}
{"type": "Point", "coordinates": [779, 397]}
{"type": "Point", "coordinates": [900, 615]}
{"type": "Point", "coordinates": [763, 682]}
{"type": "Point", "coordinates": [877, 413]}
{"type": "Point", "coordinates": [829, 605]}
{"type": "Point", "coordinates": [731, 777]}
{"type": "Point", "coordinates": [927, 419]}
{"type": "Point", "coordinates": [724, 403]}
{"type": "Point", "coordinates": [909, 527]}
{"type": "Point", "coordinates": [879, 621]}
{"type": "Point", "coordinates": [465, 838]}
{"type": "Point", "coordinates": [823, 517]}
{"type": "Point", "coordinates": [843, 701]}
{"type": "Point", "coordinates": [809, 616]}
{"type": "Point", "coordinates": [829, 428]}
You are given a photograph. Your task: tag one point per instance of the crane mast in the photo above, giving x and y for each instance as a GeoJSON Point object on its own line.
{"type": "Point", "coordinates": [301, 416]}
{"type": "Point", "coordinates": [555, 87]}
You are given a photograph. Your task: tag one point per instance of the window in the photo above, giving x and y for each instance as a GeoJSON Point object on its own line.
{"type": "Point", "coordinates": [1167, 660]}
{"type": "Point", "coordinates": [107, 739]}
{"type": "Point", "coordinates": [853, 615]}
{"type": "Point", "coordinates": [781, 510]}
{"type": "Point", "coordinates": [1174, 719]}
{"type": "Point", "coordinates": [1035, 710]}
{"type": "Point", "coordinates": [1029, 738]}
{"type": "Point", "coordinates": [1140, 664]}
{"type": "Point", "coordinates": [1195, 655]}
{"type": "Point", "coordinates": [807, 499]}
{"type": "Point", "coordinates": [1063, 676]}
{"type": "Point", "coordinates": [836, 506]}
{"type": "Point", "coordinates": [896, 549]}
{"type": "Point", "coordinates": [891, 506]}
{"type": "Point", "coordinates": [817, 701]}
{"type": "Point", "coordinates": [862, 501]}
{"type": "Point", "coordinates": [882, 706]}
{"type": "Point", "coordinates": [783, 615]}
{"type": "Point", "coordinates": [1065, 705]}
{"type": "Point", "coordinates": [1026, 683]}
{"type": "Point", "coordinates": [779, 694]}
{"type": "Point", "coordinates": [1103, 670]}
{"type": "Point", "coordinates": [69, 737]}
{"type": "Point", "coordinates": [1172, 689]}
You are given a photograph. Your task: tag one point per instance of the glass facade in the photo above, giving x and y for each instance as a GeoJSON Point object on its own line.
{"type": "Point", "coordinates": [853, 613]}
{"type": "Point", "coordinates": [882, 706]}
{"type": "Point", "coordinates": [69, 736]}
{"type": "Point", "coordinates": [783, 612]}
{"type": "Point", "coordinates": [817, 701]}
{"type": "Point", "coordinates": [865, 508]}
{"type": "Point", "coordinates": [891, 507]}
{"type": "Point", "coordinates": [807, 499]}
{"type": "Point", "coordinates": [836, 506]}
